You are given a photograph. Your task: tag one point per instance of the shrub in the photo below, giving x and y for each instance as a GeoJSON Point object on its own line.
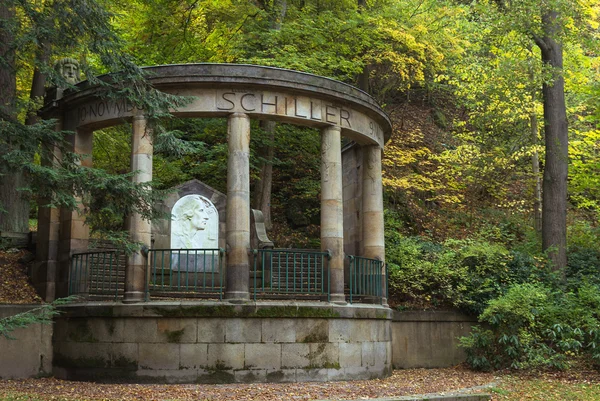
{"type": "Point", "coordinates": [536, 326]}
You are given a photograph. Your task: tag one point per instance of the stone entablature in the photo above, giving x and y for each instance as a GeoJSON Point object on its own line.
{"type": "Point", "coordinates": [260, 92]}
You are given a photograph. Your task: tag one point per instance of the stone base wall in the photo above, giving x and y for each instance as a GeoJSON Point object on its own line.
{"type": "Point", "coordinates": [429, 339]}
{"type": "Point", "coordinates": [222, 343]}
{"type": "Point", "coordinates": [30, 353]}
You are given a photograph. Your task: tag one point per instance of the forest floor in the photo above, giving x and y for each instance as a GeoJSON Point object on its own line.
{"type": "Point", "coordinates": [576, 385]}
{"type": "Point", "coordinates": [15, 287]}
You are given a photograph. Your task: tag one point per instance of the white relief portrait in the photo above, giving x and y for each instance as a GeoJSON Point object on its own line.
{"type": "Point", "coordinates": [194, 228]}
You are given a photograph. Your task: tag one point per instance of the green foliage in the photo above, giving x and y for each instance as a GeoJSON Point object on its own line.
{"type": "Point", "coordinates": [40, 315]}
{"type": "Point", "coordinates": [466, 274]}
{"type": "Point", "coordinates": [537, 326]}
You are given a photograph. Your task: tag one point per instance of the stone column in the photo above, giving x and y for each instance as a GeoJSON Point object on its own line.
{"type": "Point", "coordinates": [139, 229]}
{"type": "Point", "coordinates": [372, 207]}
{"type": "Point", "coordinates": [74, 233]}
{"type": "Point", "coordinates": [332, 209]}
{"type": "Point", "coordinates": [44, 273]}
{"type": "Point", "coordinates": [238, 208]}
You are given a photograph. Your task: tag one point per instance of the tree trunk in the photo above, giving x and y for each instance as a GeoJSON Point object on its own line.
{"type": "Point", "coordinates": [554, 206]}
{"type": "Point", "coordinates": [264, 184]}
{"type": "Point", "coordinates": [14, 223]}
{"type": "Point", "coordinates": [535, 164]}
{"type": "Point", "coordinates": [363, 77]}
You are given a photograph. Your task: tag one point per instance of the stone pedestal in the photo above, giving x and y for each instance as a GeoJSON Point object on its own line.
{"type": "Point", "coordinates": [238, 208]}
{"type": "Point", "coordinates": [372, 206]}
{"type": "Point", "coordinates": [332, 219]}
{"type": "Point", "coordinates": [139, 229]}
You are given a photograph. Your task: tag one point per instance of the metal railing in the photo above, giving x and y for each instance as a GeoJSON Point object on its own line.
{"type": "Point", "coordinates": [281, 272]}
{"type": "Point", "coordinates": [366, 279]}
{"type": "Point", "coordinates": [185, 272]}
{"type": "Point", "coordinates": [97, 274]}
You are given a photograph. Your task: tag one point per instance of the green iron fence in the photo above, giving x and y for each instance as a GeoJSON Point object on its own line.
{"type": "Point", "coordinates": [97, 274]}
{"type": "Point", "coordinates": [284, 272]}
{"type": "Point", "coordinates": [366, 279]}
{"type": "Point", "coordinates": [185, 272]}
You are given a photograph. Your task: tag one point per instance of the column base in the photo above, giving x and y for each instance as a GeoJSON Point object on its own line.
{"type": "Point", "coordinates": [338, 299]}
{"type": "Point", "coordinates": [237, 297]}
{"type": "Point", "coordinates": [132, 297]}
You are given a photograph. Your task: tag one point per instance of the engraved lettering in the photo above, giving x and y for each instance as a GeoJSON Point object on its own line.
{"type": "Point", "coordinates": [129, 106]}
{"type": "Point", "coordinates": [117, 108]}
{"type": "Point", "coordinates": [345, 115]}
{"type": "Point", "coordinates": [263, 104]}
{"type": "Point", "coordinates": [242, 102]}
{"type": "Point", "coordinates": [82, 114]}
{"type": "Point", "coordinates": [296, 109]}
{"type": "Point", "coordinates": [327, 114]}
{"type": "Point", "coordinates": [312, 115]}
{"type": "Point", "coordinates": [101, 108]}
{"type": "Point", "coordinates": [93, 111]}
{"type": "Point", "coordinates": [227, 100]}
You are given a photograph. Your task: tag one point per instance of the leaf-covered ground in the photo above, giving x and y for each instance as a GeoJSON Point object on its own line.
{"type": "Point", "coordinates": [575, 385]}
{"type": "Point", "coordinates": [402, 382]}
{"type": "Point", "coordinates": [15, 287]}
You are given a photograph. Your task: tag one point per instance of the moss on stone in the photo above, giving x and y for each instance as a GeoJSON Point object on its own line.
{"type": "Point", "coordinates": [241, 311]}
{"type": "Point", "coordinates": [216, 377]}
{"type": "Point", "coordinates": [174, 336]}
{"type": "Point", "coordinates": [276, 311]}
{"type": "Point", "coordinates": [197, 311]}
{"type": "Point", "coordinates": [275, 377]}
{"type": "Point", "coordinates": [124, 363]}
{"type": "Point", "coordinates": [81, 333]}
{"type": "Point", "coordinates": [64, 361]}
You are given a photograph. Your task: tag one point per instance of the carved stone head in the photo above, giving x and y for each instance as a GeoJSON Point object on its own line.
{"type": "Point", "coordinates": [69, 69]}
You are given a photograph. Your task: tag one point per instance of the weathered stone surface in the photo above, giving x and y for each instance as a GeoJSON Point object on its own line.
{"type": "Point", "coordinates": [30, 354]}
{"type": "Point", "coordinates": [324, 355]}
{"type": "Point", "coordinates": [184, 336]}
{"type": "Point", "coordinates": [350, 354]}
{"type": "Point", "coordinates": [159, 356]}
{"type": "Point", "coordinates": [278, 330]}
{"type": "Point", "coordinates": [243, 330]}
{"type": "Point", "coordinates": [262, 356]}
{"type": "Point", "coordinates": [429, 339]}
{"type": "Point", "coordinates": [312, 330]}
{"type": "Point", "coordinates": [295, 355]}
{"type": "Point", "coordinates": [140, 330]}
{"type": "Point", "coordinates": [250, 376]}
{"type": "Point", "coordinates": [226, 356]}
{"type": "Point", "coordinates": [193, 356]}
{"type": "Point", "coordinates": [211, 330]}
{"type": "Point", "coordinates": [106, 330]}
{"type": "Point", "coordinates": [339, 330]}
{"type": "Point", "coordinates": [173, 330]}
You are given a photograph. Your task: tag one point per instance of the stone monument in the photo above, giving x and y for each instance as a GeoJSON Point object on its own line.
{"type": "Point", "coordinates": [194, 229]}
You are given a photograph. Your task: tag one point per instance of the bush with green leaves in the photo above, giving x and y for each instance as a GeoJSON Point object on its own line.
{"type": "Point", "coordinates": [537, 326]}
{"type": "Point", "coordinates": [463, 274]}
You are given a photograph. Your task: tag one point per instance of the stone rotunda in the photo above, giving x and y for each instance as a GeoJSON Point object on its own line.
{"type": "Point", "coordinates": [257, 313]}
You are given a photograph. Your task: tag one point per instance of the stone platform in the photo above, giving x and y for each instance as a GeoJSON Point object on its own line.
{"type": "Point", "coordinates": [220, 342]}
